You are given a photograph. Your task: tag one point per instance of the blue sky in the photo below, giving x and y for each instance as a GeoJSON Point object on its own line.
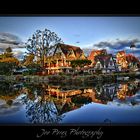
{"type": "Point", "coordinates": [88, 31]}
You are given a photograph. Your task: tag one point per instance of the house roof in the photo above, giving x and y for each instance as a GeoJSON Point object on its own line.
{"type": "Point", "coordinates": [95, 53]}
{"type": "Point", "coordinates": [121, 53]}
{"type": "Point", "coordinates": [68, 50]}
{"type": "Point", "coordinates": [104, 59]}
{"type": "Point", "coordinates": [130, 58]}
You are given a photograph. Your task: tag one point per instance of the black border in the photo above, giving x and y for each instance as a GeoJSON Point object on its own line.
{"type": "Point", "coordinates": [25, 131]}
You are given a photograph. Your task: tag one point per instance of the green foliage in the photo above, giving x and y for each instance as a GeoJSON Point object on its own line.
{"type": "Point", "coordinates": [6, 68]}
{"type": "Point", "coordinates": [98, 71]}
{"type": "Point", "coordinates": [8, 49]}
{"type": "Point", "coordinates": [80, 63]}
{"type": "Point", "coordinates": [8, 52]}
{"type": "Point", "coordinates": [6, 88]}
{"type": "Point", "coordinates": [28, 60]}
{"type": "Point", "coordinates": [34, 66]}
{"type": "Point", "coordinates": [33, 69]}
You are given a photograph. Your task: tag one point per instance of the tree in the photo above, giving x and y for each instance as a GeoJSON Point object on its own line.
{"type": "Point", "coordinates": [80, 63]}
{"type": "Point", "coordinates": [7, 57]}
{"type": "Point", "coordinates": [10, 60]}
{"type": "Point", "coordinates": [43, 44]}
{"type": "Point", "coordinates": [28, 60]}
{"type": "Point", "coordinates": [6, 68]}
{"type": "Point", "coordinates": [8, 52]}
{"type": "Point", "coordinates": [39, 109]}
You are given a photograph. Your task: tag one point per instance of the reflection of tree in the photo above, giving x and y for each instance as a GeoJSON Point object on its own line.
{"type": "Point", "coordinates": [8, 91]}
{"type": "Point", "coordinates": [9, 102]}
{"type": "Point", "coordinates": [40, 110]}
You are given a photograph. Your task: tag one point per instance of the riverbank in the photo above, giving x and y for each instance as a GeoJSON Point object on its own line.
{"type": "Point", "coordinates": [72, 79]}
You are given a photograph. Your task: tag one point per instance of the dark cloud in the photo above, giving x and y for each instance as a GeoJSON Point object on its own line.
{"type": "Point", "coordinates": [116, 44]}
{"type": "Point", "coordinates": [113, 46]}
{"type": "Point", "coordinates": [10, 40]}
{"type": "Point", "coordinates": [9, 110]}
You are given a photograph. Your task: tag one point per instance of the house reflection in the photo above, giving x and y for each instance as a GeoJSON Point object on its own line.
{"type": "Point", "coordinates": [48, 103]}
{"type": "Point", "coordinates": [63, 101]}
{"type": "Point", "coordinates": [127, 90]}
{"type": "Point", "coordinates": [106, 92]}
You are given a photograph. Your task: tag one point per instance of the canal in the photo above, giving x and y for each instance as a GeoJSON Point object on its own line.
{"type": "Point", "coordinates": [40, 103]}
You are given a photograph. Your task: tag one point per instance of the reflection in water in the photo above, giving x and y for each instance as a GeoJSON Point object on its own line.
{"type": "Point", "coordinates": [49, 104]}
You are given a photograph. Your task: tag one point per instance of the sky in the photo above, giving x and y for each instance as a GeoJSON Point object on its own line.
{"type": "Point", "coordinates": [111, 33]}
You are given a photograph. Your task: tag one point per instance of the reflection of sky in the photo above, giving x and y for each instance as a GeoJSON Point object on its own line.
{"type": "Point", "coordinates": [98, 113]}
{"type": "Point", "coordinates": [12, 114]}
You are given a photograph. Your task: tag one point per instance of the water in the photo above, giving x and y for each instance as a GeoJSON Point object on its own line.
{"type": "Point", "coordinates": [39, 103]}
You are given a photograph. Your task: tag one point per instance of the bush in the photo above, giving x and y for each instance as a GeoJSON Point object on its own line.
{"type": "Point", "coordinates": [6, 68]}
{"type": "Point", "coordinates": [98, 71]}
{"type": "Point", "coordinates": [86, 73]}
{"type": "Point", "coordinates": [81, 100]}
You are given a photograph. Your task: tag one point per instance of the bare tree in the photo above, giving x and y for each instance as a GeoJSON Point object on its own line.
{"type": "Point", "coordinates": [43, 44]}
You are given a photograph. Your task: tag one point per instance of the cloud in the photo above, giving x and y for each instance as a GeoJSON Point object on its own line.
{"type": "Point", "coordinates": [117, 43]}
{"type": "Point", "coordinates": [9, 110]}
{"type": "Point", "coordinates": [18, 53]}
{"type": "Point", "coordinates": [10, 40]}
{"type": "Point", "coordinates": [113, 46]}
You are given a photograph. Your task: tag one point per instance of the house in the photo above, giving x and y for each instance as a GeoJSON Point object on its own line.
{"type": "Point", "coordinates": [121, 59]}
{"type": "Point", "coordinates": [133, 62]}
{"type": "Point", "coordinates": [104, 63]}
{"type": "Point", "coordinates": [60, 61]}
{"type": "Point", "coordinates": [127, 61]}
{"type": "Point", "coordinates": [95, 53]}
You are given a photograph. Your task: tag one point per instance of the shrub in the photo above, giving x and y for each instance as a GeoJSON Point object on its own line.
{"type": "Point", "coordinates": [6, 68]}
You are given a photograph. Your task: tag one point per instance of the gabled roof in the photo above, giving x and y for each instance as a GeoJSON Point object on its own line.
{"type": "Point", "coordinates": [69, 49]}
{"type": "Point", "coordinates": [95, 53]}
{"type": "Point", "coordinates": [104, 59]}
{"type": "Point", "coordinates": [121, 53]}
{"type": "Point", "coordinates": [131, 58]}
